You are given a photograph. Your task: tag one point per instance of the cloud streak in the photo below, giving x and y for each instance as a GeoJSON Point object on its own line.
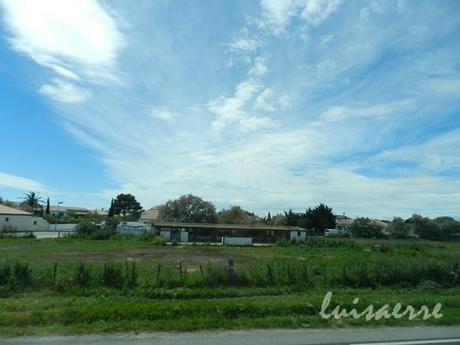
{"type": "Point", "coordinates": [21, 183]}
{"type": "Point", "coordinates": [78, 41]}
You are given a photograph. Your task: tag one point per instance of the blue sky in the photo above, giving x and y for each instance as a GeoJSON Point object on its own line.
{"type": "Point", "coordinates": [266, 104]}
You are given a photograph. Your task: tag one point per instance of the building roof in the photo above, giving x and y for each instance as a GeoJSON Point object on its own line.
{"type": "Point", "coordinates": [11, 211]}
{"type": "Point", "coordinates": [151, 214]}
{"type": "Point", "coordinates": [344, 221]}
{"type": "Point", "coordinates": [226, 226]}
{"type": "Point", "coordinates": [72, 209]}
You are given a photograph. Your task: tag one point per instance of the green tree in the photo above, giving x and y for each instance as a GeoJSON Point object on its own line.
{"type": "Point", "coordinates": [398, 228]}
{"type": "Point", "coordinates": [47, 211]}
{"type": "Point", "coordinates": [321, 217]}
{"type": "Point", "coordinates": [111, 212]}
{"type": "Point", "coordinates": [437, 229]}
{"type": "Point", "coordinates": [127, 206]}
{"type": "Point", "coordinates": [447, 226]}
{"type": "Point", "coordinates": [424, 227]}
{"type": "Point", "coordinates": [188, 208]}
{"type": "Point", "coordinates": [236, 215]}
{"type": "Point", "coordinates": [268, 219]}
{"type": "Point", "coordinates": [33, 201]}
{"type": "Point", "coordinates": [291, 218]}
{"type": "Point", "coordinates": [364, 227]}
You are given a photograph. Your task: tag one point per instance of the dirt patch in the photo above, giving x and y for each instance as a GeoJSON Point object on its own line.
{"type": "Point", "coordinates": [197, 256]}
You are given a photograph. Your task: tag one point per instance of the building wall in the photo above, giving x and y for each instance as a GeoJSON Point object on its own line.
{"type": "Point", "coordinates": [166, 235]}
{"type": "Point", "coordinates": [63, 227]}
{"type": "Point", "coordinates": [298, 236]}
{"type": "Point", "coordinates": [184, 236]}
{"type": "Point", "coordinates": [237, 241]}
{"type": "Point", "coordinates": [23, 223]}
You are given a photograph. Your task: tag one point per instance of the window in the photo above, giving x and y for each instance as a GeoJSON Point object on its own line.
{"type": "Point", "coordinates": [7, 219]}
{"type": "Point", "coordinates": [298, 233]}
{"type": "Point", "coordinates": [35, 222]}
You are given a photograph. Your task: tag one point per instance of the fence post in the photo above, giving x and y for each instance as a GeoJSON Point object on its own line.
{"type": "Point", "coordinates": [54, 273]}
{"type": "Point", "coordinates": [180, 271]}
{"type": "Point", "coordinates": [201, 272]}
{"type": "Point", "coordinates": [158, 273]}
{"type": "Point", "coordinates": [324, 276]}
{"type": "Point", "coordinates": [231, 267]}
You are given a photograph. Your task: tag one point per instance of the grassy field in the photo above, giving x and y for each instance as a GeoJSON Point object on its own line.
{"type": "Point", "coordinates": [77, 286]}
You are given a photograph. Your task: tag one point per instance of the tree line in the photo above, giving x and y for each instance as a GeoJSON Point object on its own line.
{"type": "Point", "coordinates": [193, 209]}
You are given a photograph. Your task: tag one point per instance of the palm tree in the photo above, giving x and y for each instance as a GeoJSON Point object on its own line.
{"type": "Point", "coordinates": [33, 200]}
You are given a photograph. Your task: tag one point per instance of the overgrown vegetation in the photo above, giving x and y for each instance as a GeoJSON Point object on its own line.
{"type": "Point", "coordinates": [81, 285]}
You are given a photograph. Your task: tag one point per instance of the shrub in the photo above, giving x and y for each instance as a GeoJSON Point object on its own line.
{"type": "Point", "coordinates": [111, 276]}
{"type": "Point", "coordinates": [22, 274]}
{"type": "Point", "coordinates": [5, 274]}
{"type": "Point", "coordinates": [82, 276]}
{"type": "Point", "coordinates": [152, 238]}
{"type": "Point", "coordinates": [101, 234]}
{"type": "Point", "coordinates": [131, 274]}
{"type": "Point", "coordinates": [86, 228]}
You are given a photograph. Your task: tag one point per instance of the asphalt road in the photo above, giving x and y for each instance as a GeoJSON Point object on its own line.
{"type": "Point", "coordinates": [349, 336]}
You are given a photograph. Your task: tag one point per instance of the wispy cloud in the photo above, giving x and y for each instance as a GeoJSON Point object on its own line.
{"type": "Point", "coordinates": [78, 41]}
{"type": "Point", "coordinates": [244, 45]}
{"type": "Point", "coordinates": [435, 155]}
{"type": "Point", "coordinates": [278, 13]}
{"type": "Point", "coordinates": [343, 113]}
{"type": "Point", "coordinates": [292, 122]}
{"type": "Point", "coordinates": [20, 183]}
{"type": "Point", "coordinates": [63, 91]}
{"type": "Point", "coordinates": [233, 110]}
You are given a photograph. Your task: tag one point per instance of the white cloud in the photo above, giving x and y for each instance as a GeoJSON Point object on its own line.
{"type": "Point", "coordinates": [278, 13]}
{"type": "Point", "coordinates": [65, 92]}
{"type": "Point", "coordinates": [65, 36]}
{"type": "Point", "coordinates": [259, 68]}
{"type": "Point", "coordinates": [375, 7]}
{"type": "Point", "coordinates": [342, 113]}
{"type": "Point", "coordinates": [286, 101]}
{"type": "Point", "coordinates": [245, 45]}
{"type": "Point", "coordinates": [446, 86]}
{"type": "Point", "coordinates": [437, 154]}
{"type": "Point", "coordinates": [263, 101]}
{"type": "Point", "coordinates": [317, 11]}
{"type": "Point", "coordinates": [161, 113]}
{"type": "Point", "coordinates": [20, 183]}
{"type": "Point", "coordinates": [232, 110]}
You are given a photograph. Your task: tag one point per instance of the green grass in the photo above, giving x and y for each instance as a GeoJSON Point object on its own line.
{"type": "Point", "coordinates": [380, 272]}
{"type": "Point", "coordinates": [43, 314]}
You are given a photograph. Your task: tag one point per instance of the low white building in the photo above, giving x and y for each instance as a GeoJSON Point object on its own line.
{"type": "Point", "coordinates": [298, 235]}
{"type": "Point", "coordinates": [16, 220]}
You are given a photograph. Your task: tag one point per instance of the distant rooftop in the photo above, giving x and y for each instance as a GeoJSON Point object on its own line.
{"type": "Point", "coordinates": [11, 211]}
{"type": "Point", "coordinates": [73, 209]}
{"type": "Point", "coordinates": [151, 214]}
{"type": "Point", "coordinates": [226, 226]}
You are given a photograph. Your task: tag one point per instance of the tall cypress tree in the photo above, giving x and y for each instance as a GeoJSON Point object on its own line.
{"type": "Point", "coordinates": [47, 210]}
{"type": "Point", "coordinates": [111, 210]}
